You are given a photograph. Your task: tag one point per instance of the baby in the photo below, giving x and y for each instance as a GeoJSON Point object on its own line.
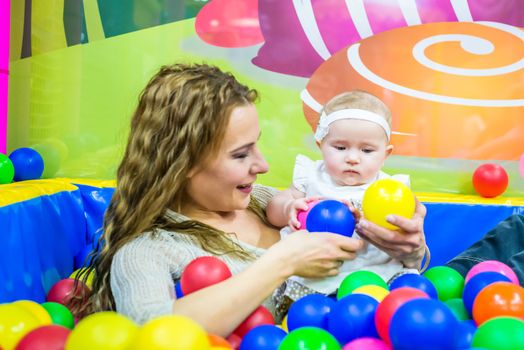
{"type": "Point", "coordinates": [353, 134]}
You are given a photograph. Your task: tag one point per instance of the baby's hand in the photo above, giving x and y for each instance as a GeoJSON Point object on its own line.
{"type": "Point", "coordinates": [296, 205]}
{"type": "Point", "coordinates": [356, 213]}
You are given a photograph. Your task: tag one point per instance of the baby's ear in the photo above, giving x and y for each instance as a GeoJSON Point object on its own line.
{"type": "Point", "coordinates": [389, 150]}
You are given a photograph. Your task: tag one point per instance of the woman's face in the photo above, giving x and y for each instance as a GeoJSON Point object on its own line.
{"type": "Point", "coordinates": [225, 183]}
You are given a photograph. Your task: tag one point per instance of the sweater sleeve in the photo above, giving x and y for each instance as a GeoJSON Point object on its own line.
{"type": "Point", "coordinates": [264, 194]}
{"type": "Point", "coordinates": [141, 277]}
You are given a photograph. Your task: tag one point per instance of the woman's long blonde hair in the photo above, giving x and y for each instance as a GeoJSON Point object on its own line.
{"type": "Point", "coordinates": [180, 121]}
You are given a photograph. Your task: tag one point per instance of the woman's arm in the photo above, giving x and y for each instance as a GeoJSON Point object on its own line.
{"type": "Point", "coordinates": [222, 307]}
{"type": "Point", "coordinates": [408, 244]}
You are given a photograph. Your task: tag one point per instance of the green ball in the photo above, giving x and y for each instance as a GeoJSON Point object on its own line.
{"type": "Point", "coordinates": [448, 282]}
{"type": "Point", "coordinates": [7, 170]}
{"type": "Point", "coordinates": [358, 279]}
{"type": "Point", "coordinates": [59, 314]}
{"type": "Point", "coordinates": [456, 305]}
{"type": "Point", "coordinates": [309, 338]}
{"type": "Point", "coordinates": [500, 333]}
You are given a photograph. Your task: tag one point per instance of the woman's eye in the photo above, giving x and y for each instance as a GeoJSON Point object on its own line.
{"type": "Point", "coordinates": [240, 156]}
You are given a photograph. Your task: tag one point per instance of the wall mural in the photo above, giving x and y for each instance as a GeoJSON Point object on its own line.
{"type": "Point", "coordinates": [451, 71]}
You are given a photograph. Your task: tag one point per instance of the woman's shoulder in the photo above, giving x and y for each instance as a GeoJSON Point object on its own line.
{"type": "Point", "coordinates": [158, 244]}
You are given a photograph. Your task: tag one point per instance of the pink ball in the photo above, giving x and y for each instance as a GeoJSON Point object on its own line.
{"type": "Point", "coordinates": [366, 344]}
{"type": "Point", "coordinates": [62, 291]}
{"type": "Point", "coordinates": [493, 266]}
{"type": "Point", "coordinates": [302, 215]}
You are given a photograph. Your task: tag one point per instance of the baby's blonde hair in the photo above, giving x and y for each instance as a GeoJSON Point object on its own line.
{"type": "Point", "coordinates": [358, 99]}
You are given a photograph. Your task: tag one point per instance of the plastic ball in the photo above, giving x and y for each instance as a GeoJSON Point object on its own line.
{"type": "Point", "coordinates": [422, 324]}
{"type": "Point", "coordinates": [358, 279]}
{"type": "Point", "coordinates": [415, 281]}
{"type": "Point", "coordinates": [376, 292]}
{"type": "Point", "coordinates": [448, 282]}
{"type": "Point", "coordinates": [331, 216]}
{"type": "Point", "coordinates": [302, 214]}
{"type": "Point", "coordinates": [476, 284]}
{"type": "Point", "coordinates": [385, 197]}
{"type": "Point", "coordinates": [306, 338]}
{"type": "Point", "coordinates": [490, 180]}
{"type": "Point", "coordinates": [366, 343]}
{"type": "Point", "coordinates": [62, 291]}
{"type": "Point", "coordinates": [309, 311]}
{"type": "Point", "coordinates": [501, 333]}
{"type": "Point", "coordinates": [456, 305]}
{"type": "Point", "coordinates": [81, 271]}
{"type": "Point", "coordinates": [353, 317]}
{"type": "Point", "coordinates": [7, 170]}
{"type": "Point", "coordinates": [36, 310]}
{"type": "Point", "coordinates": [28, 164]}
{"type": "Point", "coordinates": [259, 317]}
{"type": "Point", "coordinates": [463, 334]}
{"type": "Point", "coordinates": [218, 342]}
{"type": "Point", "coordinates": [264, 337]}
{"type": "Point", "coordinates": [49, 337]}
{"type": "Point", "coordinates": [178, 291]}
{"type": "Point", "coordinates": [498, 299]}
{"type": "Point", "coordinates": [203, 272]}
{"type": "Point", "coordinates": [234, 340]}
{"type": "Point", "coordinates": [495, 266]}
{"type": "Point", "coordinates": [15, 323]}
{"type": "Point", "coordinates": [104, 330]}
{"type": "Point", "coordinates": [387, 308]}
{"type": "Point", "coordinates": [60, 315]}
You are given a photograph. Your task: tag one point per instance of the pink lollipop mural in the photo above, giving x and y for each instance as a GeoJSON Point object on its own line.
{"type": "Point", "coordinates": [299, 35]}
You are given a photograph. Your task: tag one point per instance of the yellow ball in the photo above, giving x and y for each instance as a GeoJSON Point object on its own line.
{"type": "Point", "coordinates": [103, 330]}
{"type": "Point", "coordinates": [376, 292]}
{"type": "Point", "coordinates": [89, 281]}
{"type": "Point", "coordinates": [385, 197]}
{"type": "Point", "coordinates": [171, 332]}
{"type": "Point", "coordinates": [36, 310]}
{"type": "Point", "coordinates": [15, 323]}
{"type": "Point", "coordinates": [283, 326]}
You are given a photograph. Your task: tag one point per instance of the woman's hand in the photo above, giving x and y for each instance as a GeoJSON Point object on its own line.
{"type": "Point", "coordinates": [314, 254]}
{"type": "Point", "coordinates": [407, 244]}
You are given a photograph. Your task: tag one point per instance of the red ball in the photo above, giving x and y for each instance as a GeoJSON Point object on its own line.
{"type": "Point", "coordinates": [62, 291]}
{"type": "Point", "coordinates": [387, 308]}
{"type": "Point", "coordinates": [257, 318]}
{"type": "Point", "coordinates": [50, 337]}
{"type": "Point", "coordinates": [490, 180]}
{"type": "Point", "coordinates": [499, 299]}
{"type": "Point", "coordinates": [203, 272]}
{"type": "Point", "coordinates": [234, 340]}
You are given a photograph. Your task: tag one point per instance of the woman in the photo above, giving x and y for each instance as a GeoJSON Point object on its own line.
{"type": "Point", "coordinates": [185, 188]}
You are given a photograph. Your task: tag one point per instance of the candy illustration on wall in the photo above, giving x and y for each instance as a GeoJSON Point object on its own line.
{"type": "Point", "coordinates": [455, 89]}
{"type": "Point", "coordinates": [300, 34]}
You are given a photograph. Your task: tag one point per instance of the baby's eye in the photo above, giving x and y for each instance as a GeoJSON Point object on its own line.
{"type": "Point", "coordinates": [368, 150]}
{"type": "Point", "coordinates": [339, 148]}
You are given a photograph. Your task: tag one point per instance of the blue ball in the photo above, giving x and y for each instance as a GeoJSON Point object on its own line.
{"type": "Point", "coordinates": [353, 317]}
{"type": "Point", "coordinates": [476, 284]}
{"type": "Point", "coordinates": [265, 337]}
{"type": "Point", "coordinates": [464, 332]}
{"type": "Point", "coordinates": [28, 164]}
{"type": "Point", "coordinates": [415, 281]}
{"type": "Point", "coordinates": [331, 216]}
{"type": "Point", "coordinates": [423, 324]}
{"type": "Point", "coordinates": [309, 311]}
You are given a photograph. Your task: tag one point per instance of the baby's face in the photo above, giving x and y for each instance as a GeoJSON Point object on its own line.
{"type": "Point", "coordinates": [354, 151]}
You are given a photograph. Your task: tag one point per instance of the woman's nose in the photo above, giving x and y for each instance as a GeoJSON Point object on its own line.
{"type": "Point", "coordinates": [260, 166]}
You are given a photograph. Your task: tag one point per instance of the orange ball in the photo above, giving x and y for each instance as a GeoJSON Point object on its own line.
{"type": "Point", "coordinates": [499, 299]}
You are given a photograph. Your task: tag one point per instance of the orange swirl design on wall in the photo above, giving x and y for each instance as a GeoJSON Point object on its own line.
{"type": "Point", "coordinates": [455, 89]}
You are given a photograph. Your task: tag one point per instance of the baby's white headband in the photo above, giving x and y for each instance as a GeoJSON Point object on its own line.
{"type": "Point", "coordinates": [359, 114]}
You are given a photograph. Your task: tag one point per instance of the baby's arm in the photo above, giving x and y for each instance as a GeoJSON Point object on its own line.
{"type": "Point", "coordinates": [282, 209]}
